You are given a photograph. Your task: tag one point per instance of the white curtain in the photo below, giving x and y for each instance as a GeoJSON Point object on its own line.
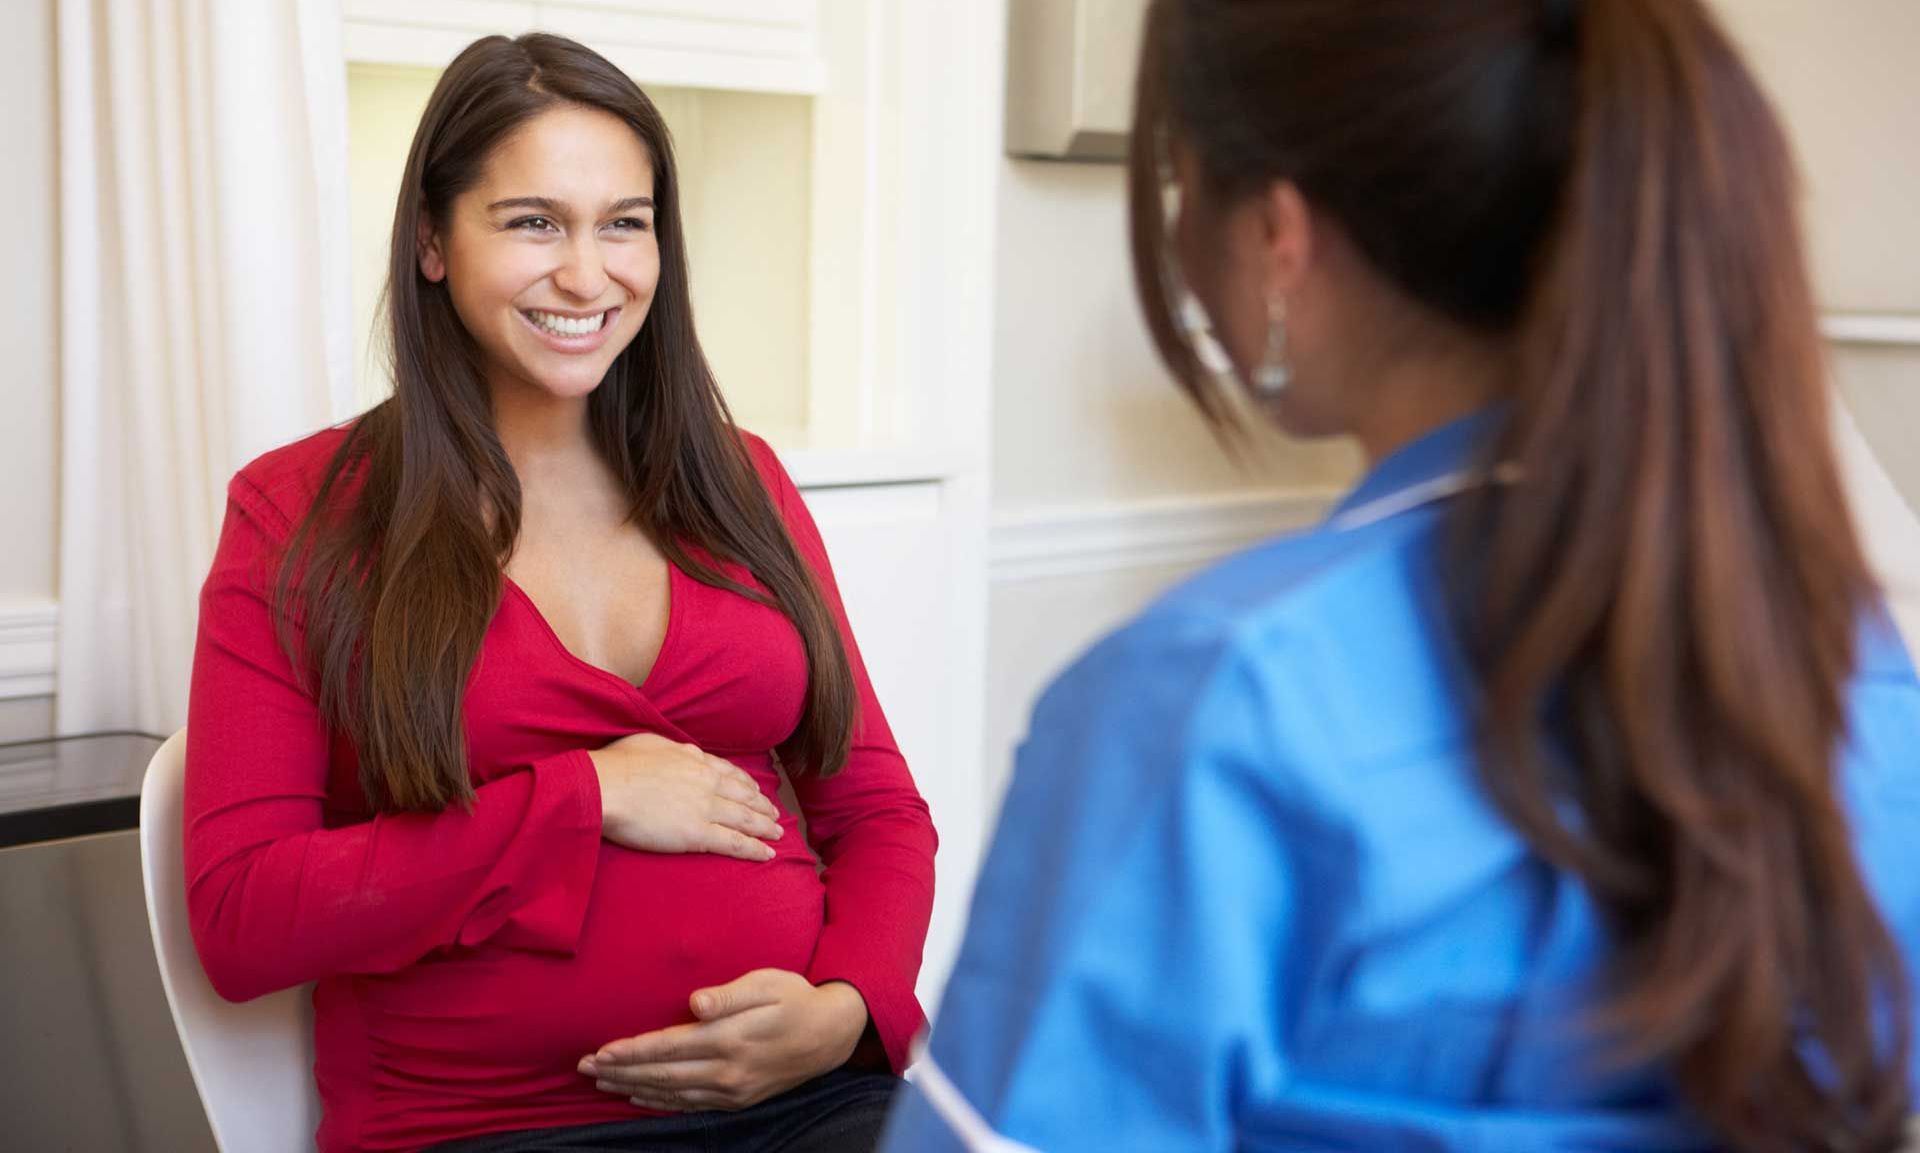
{"type": "Point", "coordinates": [205, 305]}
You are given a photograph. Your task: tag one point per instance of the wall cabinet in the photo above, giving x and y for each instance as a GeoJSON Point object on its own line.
{"type": "Point", "coordinates": [1070, 67]}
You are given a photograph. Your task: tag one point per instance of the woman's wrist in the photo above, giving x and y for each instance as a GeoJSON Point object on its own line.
{"type": "Point", "coordinates": [599, 785]}
{"type": "Point", "coordinates": [849, 1014]}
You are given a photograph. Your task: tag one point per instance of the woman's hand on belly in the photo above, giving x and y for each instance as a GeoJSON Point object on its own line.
{"type": "Point", "coordinates": [660, 796]}
{"type": "Point", "coordinates": [756, 1037]}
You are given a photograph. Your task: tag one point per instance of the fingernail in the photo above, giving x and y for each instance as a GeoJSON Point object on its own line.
{"type": "Point", "coordinates": [587, 1066]}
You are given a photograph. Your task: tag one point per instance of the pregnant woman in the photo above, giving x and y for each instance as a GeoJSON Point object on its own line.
{"type": "Point", "coordinates": [495, 687]}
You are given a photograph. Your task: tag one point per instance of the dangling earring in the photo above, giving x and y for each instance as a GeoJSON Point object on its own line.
{"type": "Point", "coordinates": [1273, 375]}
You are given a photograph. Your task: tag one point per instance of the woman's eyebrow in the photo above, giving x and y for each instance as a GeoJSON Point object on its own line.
{"type": "Point", "coordinates": [554, 207]}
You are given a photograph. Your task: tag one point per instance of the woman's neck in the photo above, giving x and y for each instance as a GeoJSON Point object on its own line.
{"type": "Point", "coordinates": [542, 433]}
{"type": "Point", "coordinates": [1413, 395]}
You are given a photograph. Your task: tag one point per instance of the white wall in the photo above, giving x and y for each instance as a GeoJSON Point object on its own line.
{"type": "Point", "coordinates": [1083, 411]}
{"type": "Point", "coordinates": [1107, 486]}
{"type": "Point", "coordinates": [1842, 75]}
{"type": "Point", "coordinates": [28, 313]}
{"type": "Point", "coordinates": [1035, 625]}
{"type": "Point", "coordinates": [1882, 386]}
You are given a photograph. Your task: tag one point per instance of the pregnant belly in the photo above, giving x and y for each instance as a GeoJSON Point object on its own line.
{"type": "Point", "coordinates": [498, 1023]}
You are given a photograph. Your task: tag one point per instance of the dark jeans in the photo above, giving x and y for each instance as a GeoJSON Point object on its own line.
{"type": "Point", "coordinates": [842, 1112]}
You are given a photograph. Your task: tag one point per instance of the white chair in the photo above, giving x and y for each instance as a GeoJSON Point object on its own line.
{"type": "Point", "coordinates": [252, 1063]}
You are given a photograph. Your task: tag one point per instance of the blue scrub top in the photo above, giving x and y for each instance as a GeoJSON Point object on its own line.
{"type": "Point", "coordinates": [1247, 893]}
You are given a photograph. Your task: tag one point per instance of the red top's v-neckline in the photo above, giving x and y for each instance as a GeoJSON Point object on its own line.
{"type": "Point", "coordinates": [659, 658]}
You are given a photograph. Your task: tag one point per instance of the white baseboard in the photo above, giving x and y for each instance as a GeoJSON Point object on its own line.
{"type": "Point", "coordinates": [27, 631]}
{"type": "Point", "coordinates": [1075, 540]}
{"type": "Point", "coordinates": [1885, 329]}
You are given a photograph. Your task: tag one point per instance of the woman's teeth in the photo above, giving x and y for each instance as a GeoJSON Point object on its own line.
{"type": "Point", "coordinates": [567, 325]}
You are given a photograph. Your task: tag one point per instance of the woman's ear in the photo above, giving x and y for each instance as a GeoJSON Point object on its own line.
{"type": "Point", "coordinates": [1287, 224]}
{"type": "Point", "coordinates": [433, 262]}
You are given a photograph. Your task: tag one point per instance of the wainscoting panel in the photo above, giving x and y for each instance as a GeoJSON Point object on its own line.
{"type": "Point", "coordinates": [27, 630]}
{"type": "Point", "coordinates": [1061, 578]}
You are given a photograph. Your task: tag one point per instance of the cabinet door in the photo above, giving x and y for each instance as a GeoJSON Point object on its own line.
{"type": "Point", "coordinates": [890, 547]}
{"type": "Point", "coordinates": [1846, 76]}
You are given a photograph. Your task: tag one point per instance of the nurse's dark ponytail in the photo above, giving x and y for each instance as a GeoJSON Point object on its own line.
{"type": "Point", "coordinates": [1680, 564]}
{"type": "Point", "coordinates": [1664, 608]}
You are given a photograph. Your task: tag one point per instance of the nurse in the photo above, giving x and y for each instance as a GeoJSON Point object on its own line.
{"type": "Point", "coordinates": [1561, 791]}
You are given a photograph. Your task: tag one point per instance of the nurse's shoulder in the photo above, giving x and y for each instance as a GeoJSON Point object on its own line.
{"type": "Point", "coordinates": [1325, 642]}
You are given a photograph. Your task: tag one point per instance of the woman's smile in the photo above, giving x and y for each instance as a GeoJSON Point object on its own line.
{"type": "Point", "coordinates": [570, 332]}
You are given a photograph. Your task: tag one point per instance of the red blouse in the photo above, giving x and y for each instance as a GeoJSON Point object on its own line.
{"type": "Point", "coordinates": [466, 961]}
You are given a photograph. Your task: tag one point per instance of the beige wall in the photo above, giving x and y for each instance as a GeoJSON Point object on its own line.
{"type": "Point", "coordinates": [1843, 75]}
{"type": "Point", "coordinates": [1086, 419]}
{"type": "Point", "coordinates": [1083, 411]}
{"type": "Point", "coordinates": [1034, 627]}
{"type": "Point", "coordinates": [1882, 386]}
{"type": "Point", "coordinates": [28, 307]}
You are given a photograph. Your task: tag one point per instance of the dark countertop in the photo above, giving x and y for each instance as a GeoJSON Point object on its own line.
{"type": "Point", "coordinates": [71, 786]}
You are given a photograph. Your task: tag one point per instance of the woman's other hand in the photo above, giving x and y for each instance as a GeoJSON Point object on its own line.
{"type": "Point", "coordinates": [660, 796]}
{"type": "Point", "coordinates": [756, 1037]}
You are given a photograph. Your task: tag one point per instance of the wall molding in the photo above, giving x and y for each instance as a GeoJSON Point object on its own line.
{"type": "Point", "coordinates": [1065, 541]}
{"type": "Point", "coordinates": [27, 632]}
{"type": "Point", "coordinates": [745, 45]}
{"type": "Point", "coordinates": [1885, 329]}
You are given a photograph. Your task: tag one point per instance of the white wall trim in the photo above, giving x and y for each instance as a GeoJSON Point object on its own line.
{"type": "Point", "coordinates": [1872, 328]}
{"type": "Point", "coordinates": [1070, 541]}
{"type": "Point", "coordinates": [745, 45]}
{"type": "Point", "coordinates": [27, 630]}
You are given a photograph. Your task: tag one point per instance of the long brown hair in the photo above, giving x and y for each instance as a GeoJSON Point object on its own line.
{"type": "Point", "coordinates": [395, 573]}
{"type": "Point", "coordinates": [1663, 610]}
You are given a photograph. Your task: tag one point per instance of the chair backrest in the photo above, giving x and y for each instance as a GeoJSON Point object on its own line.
{"type": "Point", "coordinates": [253, 1063]}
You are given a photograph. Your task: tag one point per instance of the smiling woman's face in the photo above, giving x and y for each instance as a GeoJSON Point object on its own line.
{"type": "Point", "coordinates": [551, 259]}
